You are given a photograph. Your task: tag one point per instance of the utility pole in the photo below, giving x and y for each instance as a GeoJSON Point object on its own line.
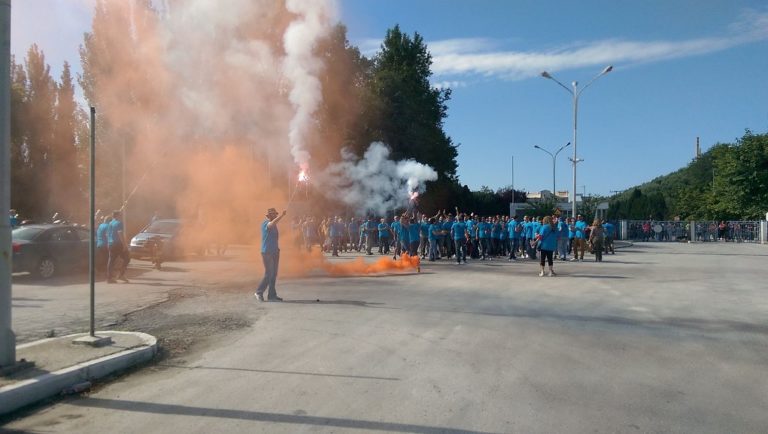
{"type": "Point", "coordinates": [575, 93]}
{"type": "Point", "coordinates": [7, 337]}
{"type": "Point", "coordinates": [513, 173]}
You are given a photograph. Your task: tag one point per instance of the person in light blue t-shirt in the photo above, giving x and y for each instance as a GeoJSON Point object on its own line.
{"type": "Point", "coordinates": [533, 230]}
{"type": "Point", "coordinates": [404, 236]}
{"type": "Point", "coordinates": [102, 245]}
{"type": "Point", "coordinates": [14, 218]}
{"type": "Point", "coordinates": [336, 232]}
{"type": "Point", "coordinates": [424, 237]}
{"type": "Point", "coordinates": [353, 233]}
{"type": "Point", "coordinates": [547, 238]}
{"type": "Point", "coordinates": [579, 241]}
{"type": "Point", "coordinates": [118, 249]}
{"type": "Point", "coordinates": [396, 228]}
{"type": "Point", "coordinates": [270, 255]}
{"type": "Point", "coordinates": [609, 234]}
{"type": "Point", "coordinates": [435, 232]}
{"type": "Point", "coordinates": [562, 238]}
{"type": "Point", "coordinates": [483, 235]}
{"type": "Point", "coordinates": [414, 232]}
{"type": "Point", "coordinates": [459, 235]}
{"type": "Point", "coordinates": [384, 235]}
{"type": "Point", "coordinates": [514, 228]}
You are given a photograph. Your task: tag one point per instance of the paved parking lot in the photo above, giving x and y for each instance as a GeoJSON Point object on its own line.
{"type": "Point", "coordinates": [658, 338]}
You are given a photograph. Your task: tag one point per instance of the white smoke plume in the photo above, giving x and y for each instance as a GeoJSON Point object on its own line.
{"type": "Point", "coordinates": [301, 67]}
{"type": "Point", "coordinates": [375, 183]}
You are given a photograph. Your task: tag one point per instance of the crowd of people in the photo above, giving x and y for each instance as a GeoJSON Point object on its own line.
{"type": "Point", "coordinates": [711, 231]}
{"type": "Point", "coordinates": [460, 236]}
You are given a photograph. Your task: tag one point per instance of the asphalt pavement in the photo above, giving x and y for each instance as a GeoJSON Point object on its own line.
{"type": "Point", "coordinates": [658, 338]}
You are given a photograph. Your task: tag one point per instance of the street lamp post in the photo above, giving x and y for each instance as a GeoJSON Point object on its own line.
{"type": "Point", "coordinates": [554, 160]}
{"type": "Point", "coordinates": [575, 93]}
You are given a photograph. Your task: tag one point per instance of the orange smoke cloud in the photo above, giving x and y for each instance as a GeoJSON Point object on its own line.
{"type": "Point", "coordinates": [300, 263]}
{"type": "Point", "coordinates": [204, 99]}
{"type": "Point", "coordinates": [359, 266]}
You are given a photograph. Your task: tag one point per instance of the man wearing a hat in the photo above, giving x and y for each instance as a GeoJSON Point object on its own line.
{"type": "Point", "coordinates": [270, 254]}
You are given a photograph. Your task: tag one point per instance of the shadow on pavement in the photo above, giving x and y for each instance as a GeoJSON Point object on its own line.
{"type": "Point", "coordinates": [263, 371]}
{"type": "Point", "coordinates": [259, 416]}
{"type": "Point", "coordinates": [26, 300]}
{"type": "Point", "coordinates": [341, 302]}
{"type": "Point", "coordinates": [696, 324]}
{"type": "Point", "coordinates": [76, 277]}
{"type": "Point", "coordinates": [593, 276]}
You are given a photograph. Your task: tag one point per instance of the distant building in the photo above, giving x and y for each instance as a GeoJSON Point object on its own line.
{"type": "Point", "coordinates": [561, 199]}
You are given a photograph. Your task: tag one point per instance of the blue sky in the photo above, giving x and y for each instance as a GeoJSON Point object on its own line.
{"type": "Point", "coordinates": [682, 69]}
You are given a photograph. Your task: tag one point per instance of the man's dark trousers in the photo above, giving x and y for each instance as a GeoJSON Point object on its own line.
{"type": "Point", "coordinates": [271, 261]}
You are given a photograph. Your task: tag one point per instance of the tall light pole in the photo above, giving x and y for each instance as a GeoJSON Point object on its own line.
{"type": "Point", "coordinates": [7, 338]}
{"type": "Point", "coordinates": [554, 160]}
{"type": "Point", "coordinates": [575, 93]}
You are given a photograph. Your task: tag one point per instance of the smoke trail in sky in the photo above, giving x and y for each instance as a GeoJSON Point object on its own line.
{"type": "Point", "coordinates": [302, 66]}
{"type": "Point", "coordinates": [375, 182]}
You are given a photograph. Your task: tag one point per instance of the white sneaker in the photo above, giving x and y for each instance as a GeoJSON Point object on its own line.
{"type": "Point", "coordinates": [541, 273]}
{"type": "Point", "coordinates": [574, 259]}
{"type": "Point", "coordinates": [552, 273]}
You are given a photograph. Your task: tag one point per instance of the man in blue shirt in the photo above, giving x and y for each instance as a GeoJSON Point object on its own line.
{"type": "Point", "coordinates": [424, 237]}
{"type": "Point", "coordinates": [384, 232]}
{"type": "Point", "coordinates": [533, 230]}
{"type": "Point", "coordinates": [459, 232]}
{"type": "Point", "coordinates": [102, 244]}
{"type": "Point", "coordinates": [336, 231]}
{"type": "Point", "coordinates": [404, 235]}
{"type": "Point", "coordinates": [354, 234]}
{"type": "Point", "coordinates": [524, 236]}
{"type": "Point", "coordinates": [483, 233]}
{"type": "Point", "coordinates": [118, 249]}
{"type": "Point", "coordinates": [309, 230]}
{"type": "Point", "coordinates": [270, 255]}
{"type": "Point", "coordinates": [370, 230]}
{"type": "Point", "coordinates": [514, 229]}
{"type": "Point", "coordinates": [414, 231]}
{"type": "Point", "coordinates": [579, 241]}
{"type": "Point", "coordinates": [471, 247]}
{"type": "Point", "coordinates": [608, 229]}
{"type": "Point", "coordinates": [14, 218]}
{"type": "Point", "coordinates": [396, 232]}
{"type": "Point", "coordinates": [562, 238]}
{"type": "Point", "coordinates": [447, 241]}
{"type": "Point", "coordinates": [435, 231]}
{"type": "Point", "coordinates": [494, 239]}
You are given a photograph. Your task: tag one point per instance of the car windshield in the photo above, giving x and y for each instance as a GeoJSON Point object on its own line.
{"type": "Point", "coordinates": [162, 227]}
{"type": "Point", "coordinates": [26, 233]}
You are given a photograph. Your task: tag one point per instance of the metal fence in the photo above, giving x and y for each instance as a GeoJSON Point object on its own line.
{"type": "Point", "coordinates": [700, 231]}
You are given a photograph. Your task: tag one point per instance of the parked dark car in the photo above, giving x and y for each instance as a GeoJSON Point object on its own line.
{"type": "Point", "coordinates": [167, 231]}
{"type": "Point", "coordinates": [49, 249]}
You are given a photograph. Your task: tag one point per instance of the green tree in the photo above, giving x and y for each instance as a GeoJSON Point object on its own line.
{"type": "Point", "coordinates": [117, 79]}
{"type": "Point", "coordinates": [344, 80]}
{"type": "Point", "coordinates": [23, 197]}
{"type": "Point", "coordinates": [403, 110]}
{"type": "Point", "coordinates": [64, 183]}
{"type": "Point", "coordinates": [729, 181]}
{"type": "Point", "coordinates": [33, 102]}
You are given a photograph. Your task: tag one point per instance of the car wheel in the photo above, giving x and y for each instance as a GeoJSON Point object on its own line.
{"type": "Point", "coordinates": [46, 268]}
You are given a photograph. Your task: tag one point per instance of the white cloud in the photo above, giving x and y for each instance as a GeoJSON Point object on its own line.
{"type": "Point", "coordinates": [447, 84]}
{"type": "Point", "coordinates": [475, 57]}
{"type": "Point", "coordinates": [460, 45]}
{"type": "Point", "coordinates": [369, 47]}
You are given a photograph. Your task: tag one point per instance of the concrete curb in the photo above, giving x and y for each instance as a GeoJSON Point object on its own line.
{"type": "Point", "coordinates": [23, 393]}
